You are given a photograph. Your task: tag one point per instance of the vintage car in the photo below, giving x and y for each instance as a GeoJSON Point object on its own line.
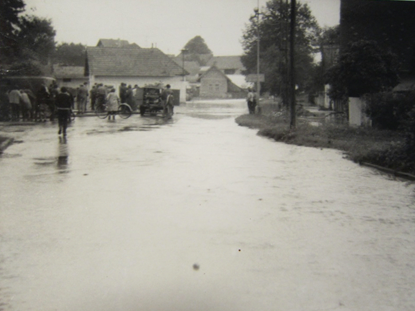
{"type": "Point", "coordinates": [151, 101]}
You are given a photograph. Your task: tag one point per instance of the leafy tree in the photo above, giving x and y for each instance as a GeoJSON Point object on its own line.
{"type": "Point", "coordinates": [197, 45]}
{"type": "Point", "coordinates": [27, 68]}
{"type": "Point", "coordinates": [362, 68]}
{"type": "Point", "coordinates": [328, 36]}
{"type": "Point", "coordinates": [273, 30]}
{"type": "Point", "coordinates": [197, 50]}
{"type": "Point", "coordinates": [9, 20]}
{"type": "Point", "coordinates": [70, 54]}
{"type": "Point", "coordinates": [36, 39]}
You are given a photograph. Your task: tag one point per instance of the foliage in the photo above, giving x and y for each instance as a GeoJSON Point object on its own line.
{"type": "Point", "coordinates": [70, 54]}
{"type": "Point", "coordinates": [362, 68]}
{"type": "Point", "coordinates": [36, 38]}
{"type": "Point", "coordinates": [380, 147]}
{"type": "Point", "coordinates": [9, 20]}
{"type": "Point", "coordinates": [272, 26]}
{"type": "Point", "coordinates": [197, 45]}
{"type": "Point", "coordinates": [196, 50]}
{"type": "Point", "coordinates": [25, 69]}
{"type": "Point", "coordinates": [26, 42]}
{"type": "Point", "coordinates": [390, 110]}
{"type": "Point", "coordinates": [330, 36]}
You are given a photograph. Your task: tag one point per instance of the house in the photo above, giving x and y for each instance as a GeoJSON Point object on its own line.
{"type": "Point", "coordinates": [229, 65]}
{"type": "Point", "coordinates": [215, 84]}
{"type": "Point", "coordinates": [69, 76]}
{"type": "Point", "coordinates": [132, 65]}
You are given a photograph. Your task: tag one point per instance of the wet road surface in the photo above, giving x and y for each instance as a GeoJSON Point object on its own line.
{"type": "Point", "coordinates": [197, 214]}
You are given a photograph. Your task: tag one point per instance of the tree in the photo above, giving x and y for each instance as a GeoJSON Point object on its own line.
{"type": "Point", "coordinates": [362, 68]}
{"type": "Point", "coordinates": [197, 50]}
{"type": "Point", "coordinates": [36, 39]}
{"type": "Point", "coordinates": [273, 30]}
{"type": "Point", "coordinates": [70, 54]}
{"type": "Point", "coordinates": [9, 20]}
{"type": "Point", "coordinates": [328, 40]}
{"type": "Point", "coordinates": [197, 45]}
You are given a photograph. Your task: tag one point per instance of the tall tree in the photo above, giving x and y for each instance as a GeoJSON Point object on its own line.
{"type": "Point", "coordinates": [9, 20]}
{"type": "Point", "coordinates": [362, 68]}
{"type": "Point", "coordinates": [70, 54]}
{"type": "Point", "coordinates": [272, 26]}
{"type": "Point", "coordinates": [197, 45]}
{"type": "Point", "coordinates": [197, 50]}
{"type": "Point", "coordinates": [36, 39]}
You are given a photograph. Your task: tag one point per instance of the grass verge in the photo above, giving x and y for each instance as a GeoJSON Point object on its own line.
{"type": "Point", "coordinates": [382, 148]}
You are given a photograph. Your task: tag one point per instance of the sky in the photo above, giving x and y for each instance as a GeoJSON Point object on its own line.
{"type": "Point", "coordinates": [166, 24]}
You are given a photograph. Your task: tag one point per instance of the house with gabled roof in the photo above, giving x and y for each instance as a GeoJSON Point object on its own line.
{"type": "Point", "coordinates": [215, 84]}
{"type": "Point", "coordinates": [229, 65]}
{"type": "Point", "coordinates": [69, 76]}
{"type": "Point", "coordinates": [141, 66]}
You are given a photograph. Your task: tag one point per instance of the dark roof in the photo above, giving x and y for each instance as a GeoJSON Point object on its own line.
{"type": "Point", "coordinates": [192, 67]}
{"type": "Point", "coordinates": [61, 72]}
{"type": "Point", "coordinates": [116, 43]}
{"type": "Point", "coordinates": [226, 62]}
{"type": "Point", "coordinates": [141, 62]}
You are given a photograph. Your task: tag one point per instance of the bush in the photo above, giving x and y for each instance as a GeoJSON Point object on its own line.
{"type": "Point", "coordinates": [363, 67]}
{"type": "Point", "coordinates": [390, 111]}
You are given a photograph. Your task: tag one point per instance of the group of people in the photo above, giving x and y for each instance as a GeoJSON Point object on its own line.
{"type": "Point", "coordinates": [26, 105]}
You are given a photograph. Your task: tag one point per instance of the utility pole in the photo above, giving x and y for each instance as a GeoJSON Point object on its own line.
{"type": "Point", "coordinates": [257, 13]}
{"type": "Point", "coordinates": [184, 51]}
{"type": "Point", "coordinates": [292, 67]}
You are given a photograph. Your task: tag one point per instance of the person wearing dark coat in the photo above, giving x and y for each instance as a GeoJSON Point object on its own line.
{"type": "Point", "coordinates": [64, 101]}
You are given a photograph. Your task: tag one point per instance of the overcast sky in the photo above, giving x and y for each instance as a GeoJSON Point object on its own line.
{"type": "Point", "coordinates": [169, 24]}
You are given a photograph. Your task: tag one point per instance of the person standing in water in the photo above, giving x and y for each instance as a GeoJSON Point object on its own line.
{"type": "Point", "coordinates": [64, 102]}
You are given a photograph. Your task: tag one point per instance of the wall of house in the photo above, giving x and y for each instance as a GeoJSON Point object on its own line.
{"type": "Point", "coordinates": [357, 117]}
{"type": "Point", "coordinates": [73, 83]}
{"type": "Point", "coordinates": [176, 82]}
{"type": "Point", "coordinates": [213, 85]}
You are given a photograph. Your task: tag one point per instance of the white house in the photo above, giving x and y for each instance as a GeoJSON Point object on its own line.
{"type": "Point", "coordinates": [133, 65]}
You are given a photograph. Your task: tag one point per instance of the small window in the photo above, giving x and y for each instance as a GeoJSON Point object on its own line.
{"type": "Point", "coordinates": [230, 71]}
{"type": "Point", "coordinates": [67, 79]}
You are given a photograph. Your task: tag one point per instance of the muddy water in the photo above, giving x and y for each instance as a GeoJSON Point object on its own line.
{"type": "Point", "coordinates": [197, 214]}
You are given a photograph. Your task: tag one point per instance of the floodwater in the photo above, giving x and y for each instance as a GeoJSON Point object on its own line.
{"type": "Point", "coordinates": [197, 213]}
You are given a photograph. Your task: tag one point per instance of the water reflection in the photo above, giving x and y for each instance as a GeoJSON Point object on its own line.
{"type": "Point", "coordinates": [63, 156]}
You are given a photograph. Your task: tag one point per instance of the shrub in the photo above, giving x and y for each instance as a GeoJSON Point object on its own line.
{"type": "Point", "coordinates": [390, 111]}
{"type": "Point", "coordinates": [363, 67]}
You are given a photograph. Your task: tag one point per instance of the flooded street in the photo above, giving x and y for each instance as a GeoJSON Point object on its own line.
{"type": "Point", "coordinates": [197, 213]}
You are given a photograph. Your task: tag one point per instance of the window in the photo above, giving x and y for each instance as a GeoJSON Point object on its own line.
{"type": "Point", "coordinates": [230, 71]}
{"type": "Point", "coordinates": [67, 79]}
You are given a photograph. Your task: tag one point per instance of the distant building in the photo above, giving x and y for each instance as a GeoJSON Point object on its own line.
{"type": "Point", "coordinates": [132, 65]}
{"type": "Point", "coordinates": [69, 76]}
{"type": "Point", "coordinates": [229, 65]}
{"type": "Point", "coordinates": [215, 84]}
